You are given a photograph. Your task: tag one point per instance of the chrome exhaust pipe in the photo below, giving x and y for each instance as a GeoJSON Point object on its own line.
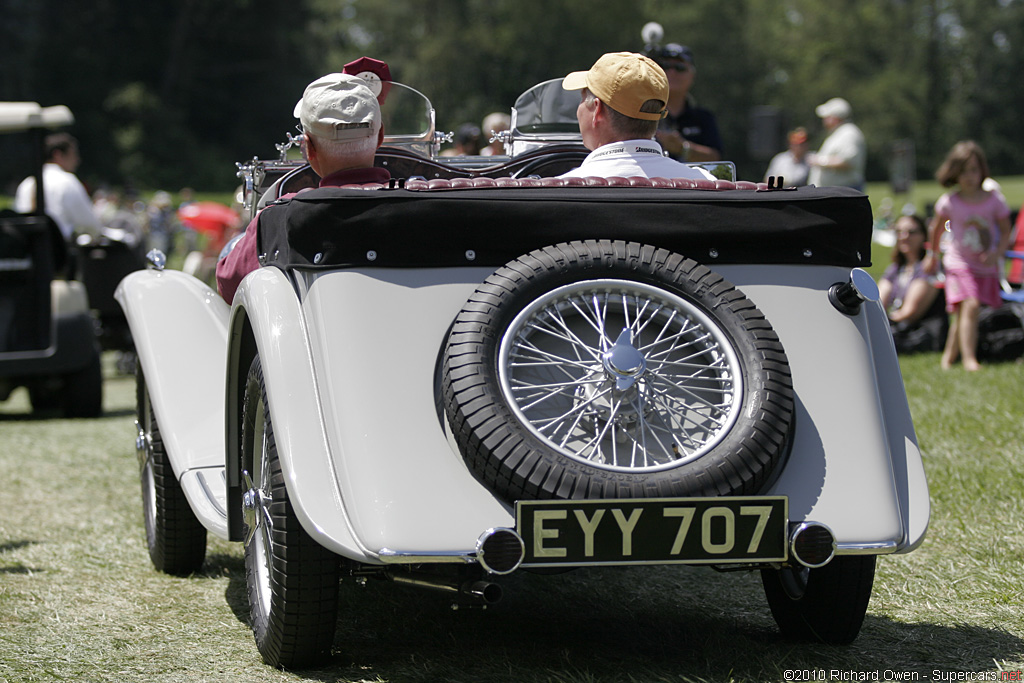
{"type": "Point", "coordinates": [500, 550]}
{"type": "Point", "coordinates": [485, 592]}
{"type": "Point", "coordinates": [812, 544]}
{"type": "Point", "coordinates": [473, 593]}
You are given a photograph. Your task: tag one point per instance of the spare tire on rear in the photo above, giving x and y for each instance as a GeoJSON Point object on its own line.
{"type": "Point", "coordinates": [609, 369]}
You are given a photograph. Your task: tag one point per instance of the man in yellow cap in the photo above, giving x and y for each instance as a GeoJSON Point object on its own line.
{"type": "Point", "coordinates": [623, 97]}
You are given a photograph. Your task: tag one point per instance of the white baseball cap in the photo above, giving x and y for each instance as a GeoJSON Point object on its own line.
{"type": "Point", "coordinates": [837, 107]}
{"type": "Point", "coordinates": [339, 107]}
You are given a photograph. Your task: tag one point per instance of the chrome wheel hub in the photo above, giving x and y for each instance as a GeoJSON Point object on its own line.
{"type": "Point", "coordinates": [623, 363]}
{"type": "Point", "coordinates": [257, 500]}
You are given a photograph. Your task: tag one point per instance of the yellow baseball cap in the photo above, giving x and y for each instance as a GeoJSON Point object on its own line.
{"type": "Point", "coordinates": [624, 81]}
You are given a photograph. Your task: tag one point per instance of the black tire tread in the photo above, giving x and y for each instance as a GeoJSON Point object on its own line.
{"type": "Point", "coordinates": [175, 538]}
{"type": "Point", "coordinates": [298, 630]}
{"type": "Point", "coordinates": [833, 607]}
{"type": "Point", "coordinates": [507, 461]}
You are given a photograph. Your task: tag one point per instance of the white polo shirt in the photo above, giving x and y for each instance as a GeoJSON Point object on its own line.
{"type": "Point", "coordinates": [67, 202]}
{"type": "Point", "coordinates": [847, 143]}
{"type": "Point", "coordinates": [630, 158]}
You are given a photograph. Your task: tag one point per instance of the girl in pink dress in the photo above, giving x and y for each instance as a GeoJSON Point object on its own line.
{"type": "Point", "coordinates": [978, 223]}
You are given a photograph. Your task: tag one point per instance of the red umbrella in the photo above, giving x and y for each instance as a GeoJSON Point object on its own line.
{"type": "Point", "coordinates": [210, 218]}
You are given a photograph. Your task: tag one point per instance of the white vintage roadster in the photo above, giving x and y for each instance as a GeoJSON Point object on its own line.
{"type": "Point", "coordinates": [481, 369]}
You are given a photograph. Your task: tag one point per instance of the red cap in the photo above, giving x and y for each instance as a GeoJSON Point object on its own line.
{"type": "Point", "coordinates": [375, 72]}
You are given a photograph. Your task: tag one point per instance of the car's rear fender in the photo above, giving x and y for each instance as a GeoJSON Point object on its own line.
{"type": "Point", "coordinates": [179, 327]}
{"type": "Point", "coordinates": [268, 319]}
{"type": "Point", "coordinates": [350, 377]}
{"type": "Point", "coordinates": [377, 336]}
{"type": "Point", "coordinates": [855, 463]}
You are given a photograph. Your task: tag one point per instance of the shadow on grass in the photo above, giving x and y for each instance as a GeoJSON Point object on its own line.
{"type": "Point", "coordinates": [31, 416]}
{"type": "Point", "coordinates": [17, 568]}
{"type": "Point", "coordinates": [55, 416]}
{"type": "Point", "coordinates": [611, 624]}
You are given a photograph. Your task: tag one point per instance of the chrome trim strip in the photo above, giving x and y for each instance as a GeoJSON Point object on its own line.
{"type": "Point", "coordinates": [880, 548]}
{"type": "Point", "coordinates": [201, 478]}
{"type": "Point", "coordinates": [388, 556]}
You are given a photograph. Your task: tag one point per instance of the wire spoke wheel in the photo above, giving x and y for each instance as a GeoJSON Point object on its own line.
{"type": "Point", "coordinates": [621, 375]}
{"type": "Point", "coordinates": [258, 498]}
{"type": "Point", "coordinates": [607, 369]}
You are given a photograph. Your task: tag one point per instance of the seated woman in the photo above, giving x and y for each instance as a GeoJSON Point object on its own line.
{"type": "Point", "coordinates": [916, 307]}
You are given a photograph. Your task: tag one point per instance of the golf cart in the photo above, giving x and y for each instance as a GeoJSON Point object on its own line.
{"type": "Point", "coordinates": [48, 338]}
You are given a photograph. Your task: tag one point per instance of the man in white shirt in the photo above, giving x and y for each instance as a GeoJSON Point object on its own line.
{"type": "Point", "coordinates": [623, 97]}
{"type": "Point", "coordinates": [67, 202]}
{"type": "Point", "coordinates": [843, 154]}
{"type": "Point", "coordinates": [791, 166]}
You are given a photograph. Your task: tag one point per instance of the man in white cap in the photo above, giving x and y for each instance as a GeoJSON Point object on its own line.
{"type": "Point", "coordinates": [843, 154]}
{"type": "Point", "coordinates": [623, 97]}
{"type": "Point", "coordinates": [341, 131]}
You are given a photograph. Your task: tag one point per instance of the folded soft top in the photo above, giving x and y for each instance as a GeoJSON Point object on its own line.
{"type": "Point", "coordinates": [444, 224]}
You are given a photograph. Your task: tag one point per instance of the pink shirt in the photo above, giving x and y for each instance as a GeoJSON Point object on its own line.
{"type": "Point", "coordinates": [974, 230]}
{"type": "Point", "coordinates": [244, 257]}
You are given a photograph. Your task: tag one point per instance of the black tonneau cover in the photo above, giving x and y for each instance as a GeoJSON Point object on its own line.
{"type": "Point", "coordinates": [335, 227]}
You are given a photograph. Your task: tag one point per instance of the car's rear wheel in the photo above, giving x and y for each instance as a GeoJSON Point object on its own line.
{"type": "Point", "coordinates": [175, 538]}
{"type": "Point", "coordinates": [612, 370]}
{"type": "Point", "coordinates": [824, 605]}
{"type": "Point", "coordinates": [292, 580]}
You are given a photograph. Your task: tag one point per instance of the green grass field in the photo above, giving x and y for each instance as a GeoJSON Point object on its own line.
{"type": "Point", "coordinates": [79, 600]}
{"type": "Point", "coordinates": [924, 193]}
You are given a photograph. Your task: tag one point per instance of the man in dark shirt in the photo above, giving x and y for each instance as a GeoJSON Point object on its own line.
{"type": "Point", "coordinates": [688, 132]}
{"type": "Point", "coordinates": [341, 131]}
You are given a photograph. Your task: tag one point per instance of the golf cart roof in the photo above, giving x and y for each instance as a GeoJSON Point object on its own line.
{"type": "Point", "coordinates": [20, 116]}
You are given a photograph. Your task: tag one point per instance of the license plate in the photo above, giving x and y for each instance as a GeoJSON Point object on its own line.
{"type": "Point", "coordinates": [653, 531]}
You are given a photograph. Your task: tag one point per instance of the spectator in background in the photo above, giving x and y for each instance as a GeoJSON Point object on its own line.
{"type": "Point", "coordinates": [916, 307]}
{"type": "Point", "coordinates": [843, 155]}
{"type": "Point", "coordinates": [978, 222]}
{"type": "Point", "coordinates": [161, 222]}
{"type": "Point", "coordinates": [115, 213]}
{"type": "Point", "coordinates": [67, 202]}
{"type": "Point", "coordinates": [791, 165]}
{"type": "Point", "coordinates": [186, 196]}
{"type": "Point", "coordinates": [467, 141]}
{"type": "Point", "coordinates": [688, 132]}
{"type": "Point", "coordinates": [494, 123]}
{"type": "Point", "coordinates": [1016, 275]}
{"type": "Point", "coordinates": [622, 99]}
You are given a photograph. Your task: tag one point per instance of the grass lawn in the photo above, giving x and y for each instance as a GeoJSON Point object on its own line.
{"type": "Point", "coordinates": [924, 193]}
{"type": "Point", "coordinates": [79, 600]}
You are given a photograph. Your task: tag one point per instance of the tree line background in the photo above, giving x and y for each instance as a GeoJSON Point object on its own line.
{"type": "Point", "coordinates": [170, 93]}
